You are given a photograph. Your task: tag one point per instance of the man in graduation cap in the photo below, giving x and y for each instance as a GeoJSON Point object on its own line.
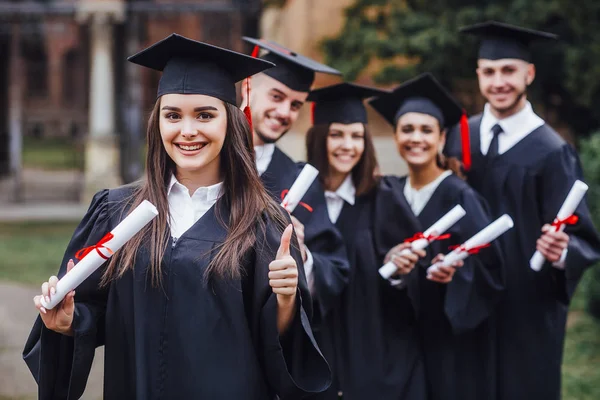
{"type": "Point", "coordinates": [525, 169]}
{"type": "Point", "coordinates": [275, 98]}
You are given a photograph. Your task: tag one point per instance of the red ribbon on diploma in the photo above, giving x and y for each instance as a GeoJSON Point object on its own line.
{"type": "Point", "coordinates": [570, 220]}
{"type": "Point", "coordinates": [100, 245]}
{"type": "Point", "coordinates": [430, 238]}
{"type": "Point", "coordinates": [284, 192]}
{"type": "Point", "coordinates": [473, 250]}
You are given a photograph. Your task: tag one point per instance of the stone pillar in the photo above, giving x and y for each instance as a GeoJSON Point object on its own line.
{"type": "Point", "coordinates": [102, 145]}
{"type": "Point", "coordinates": [15, 114]}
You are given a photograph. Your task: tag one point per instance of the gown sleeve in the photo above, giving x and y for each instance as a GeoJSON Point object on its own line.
{"type": "Point", "coordinates": [61, 364]}
{"type": "Point", "coordinates": [561, 170]}
{"type": "Point", "coordinates": [293, 363]}
{"type": "Point", "coordinates": [478, 286]}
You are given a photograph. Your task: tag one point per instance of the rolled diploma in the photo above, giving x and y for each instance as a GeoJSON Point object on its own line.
{"type": "Point", "coordinates": [573, 199]}
{"type": "Point", "coordinates": [440, 227]}
{"type": "Point", "coordinates": [483, 237]}
{"type": "Point", "coordinates": [299, 188]}
{"type": "Point", "coordinates": [132, 224]}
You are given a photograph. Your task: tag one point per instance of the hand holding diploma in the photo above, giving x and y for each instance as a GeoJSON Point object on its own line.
{"type": "Point", "coordinates": [403, 258]}
{"type": "Point", "coordinates": [283, 279]}
{"type": "Point", "coordinates": [553, 241]}
{"type": "Point", "coordinates": [299, 188]}
{"type": "Point", "coordinates": [60, 318]}
{"type": "Point", "coordinates": [472, 246]}
{"type": "Point", "coordinates": [94, 256]}
{"type": "Point", "coordinates": [443, 274]}
{"type": "Point", "coordinates": [421, 241]}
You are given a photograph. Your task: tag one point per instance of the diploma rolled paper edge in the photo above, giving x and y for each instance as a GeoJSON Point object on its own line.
{"type": "Point", "coordinates": [122, 233]}
{"type": "Point", "coordinates": [483, 237]}
{"type": "Point", "coordinates": [575, 196]}
{"type": "Point", "coordinates": [299, 187]}
{"type": "Point", "coordinates": [438, 228]}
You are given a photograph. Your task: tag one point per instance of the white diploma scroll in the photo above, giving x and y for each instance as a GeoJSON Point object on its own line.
{"type": "Point", "coordinates": [568, 208]}
{"type": "Point", "coordinates": [480, 239]}
{"type": "Point", "coordinates": [440, 227]}
{"type": "Point", "coordinates": [299, 188]}
{"type": "Point", "coordinates": [102, 251]}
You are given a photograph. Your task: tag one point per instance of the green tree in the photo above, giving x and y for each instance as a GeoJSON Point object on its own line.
{"type": "Point", "coordinates": [425, 34]}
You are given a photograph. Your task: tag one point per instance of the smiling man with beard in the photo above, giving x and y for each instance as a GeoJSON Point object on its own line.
{"type": "Point", "coordinates": [522, 167]}
{"type": "Point", "coordinates": [275, 100]}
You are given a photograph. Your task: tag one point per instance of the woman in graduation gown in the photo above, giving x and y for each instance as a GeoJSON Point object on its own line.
{"type": "Point", "coordinates": [207, 301]}
{"type": "Point", "coordinates": [454, 312]}
{"type": "Point", "coordinates": [370, 338]}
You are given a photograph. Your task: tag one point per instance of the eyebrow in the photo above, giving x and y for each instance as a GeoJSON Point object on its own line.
{"type": "Point", "coordinates": [197, 109]}
{"type": "Point", "coordinates": [279, 92]}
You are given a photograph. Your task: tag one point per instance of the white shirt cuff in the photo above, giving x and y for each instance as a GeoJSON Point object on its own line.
{"type": "Point", "coordinates": [560, 264]}
{"type": "Point", "coordinates": [308, 269]}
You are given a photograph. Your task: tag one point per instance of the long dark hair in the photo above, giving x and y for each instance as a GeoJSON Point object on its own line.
{"type": "Point", "coordinates": [243, 193]}
{"type": "Point", "coordinates": [364, 173]}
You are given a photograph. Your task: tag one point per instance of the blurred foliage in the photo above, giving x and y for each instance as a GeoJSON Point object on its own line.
{"type": "Point", "coordinates": [407, 37]}
{"type": "Point", "coordinates": [590, 158]}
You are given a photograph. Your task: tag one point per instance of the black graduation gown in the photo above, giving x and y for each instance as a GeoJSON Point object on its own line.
{"type": "Point", "coordinates": [371, 339]}
{"type": "Point", "coordinates": [330, 265]}
{"type": "Point", "coordinates": [530, 182]}
{"type": "Point", "coordinates": [455, 327]}
{"type": "Point", "coordinates": [183, 340]}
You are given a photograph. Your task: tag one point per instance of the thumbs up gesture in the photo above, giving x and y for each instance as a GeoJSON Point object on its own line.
{"type": "Point", "coordinates": [283, 279]}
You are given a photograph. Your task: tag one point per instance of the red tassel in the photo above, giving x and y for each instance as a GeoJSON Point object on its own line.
{"type": "Point", "coordinates": [247, 110]}
{"type": "Point", "coordinates": [466, 141]}
{"type": "Point", "coordinates": [255, 51]}
{"type": "Point", "coordinates": [312, 113]}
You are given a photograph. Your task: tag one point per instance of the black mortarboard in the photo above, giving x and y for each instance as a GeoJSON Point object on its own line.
{"type": "Point", "coordinates": [499, 40]}
{"type": "Point", "coordinates": [292, 69]}
{"type": "Point", "coordinates": [192, 67]}
{"type": "Point", "coordinates": [341, 103]}
{"type": "Point", "coordinates": [425, 95]}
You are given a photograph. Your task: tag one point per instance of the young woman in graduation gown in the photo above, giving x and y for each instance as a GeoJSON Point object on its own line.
{"type": "Point", "coordinates": [454, 311]}
{"type": "Point", "coordinates": [207, 301]}
{"type": "Point", "coordinates": [370, 338]}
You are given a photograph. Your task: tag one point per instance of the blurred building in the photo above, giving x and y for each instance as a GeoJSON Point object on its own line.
{"type": "Point", "coordinates": [49, 49]}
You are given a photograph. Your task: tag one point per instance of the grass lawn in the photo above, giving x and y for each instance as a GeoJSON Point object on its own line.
{"type": "Point", "coordinates": [52, 153]}
{"type": "Point", "coordinates": [30, 253]}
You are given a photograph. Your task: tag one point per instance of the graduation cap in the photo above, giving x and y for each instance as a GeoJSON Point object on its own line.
{"type": "Point", "coordinates": [500, 40]}
{"type": "Point", "coordinates": [425, 95]}
{"type": "Point", "coordinates": [341, 103]}
{"type": "Point", "coordinates": [292, 69]}
{"type": "Point", "coordinates": [192, 67]}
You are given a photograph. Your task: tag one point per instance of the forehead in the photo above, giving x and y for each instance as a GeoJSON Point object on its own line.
{"type": "Point", "coordinates": [266, 83]}
{"type": "Point", "coordinates": [354, 127]}
{"type": "Point", "coordinates": [501, 63]}
{"type": "Point", "coordinates": [415, 118]}
{"type": "Point", "coordinates": [190, 101]}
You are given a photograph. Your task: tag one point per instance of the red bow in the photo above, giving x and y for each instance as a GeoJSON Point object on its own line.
{"type": "Point", "coordinates": [430, 238]}
{"type": "Point", "coordinates": [570, 220]}
{"type": "Point", "coordinates": [284, 192]}
{"type": "Point", "coordinates": [100, 245]}
{"type": "Point", "coordinates": [473, 250]}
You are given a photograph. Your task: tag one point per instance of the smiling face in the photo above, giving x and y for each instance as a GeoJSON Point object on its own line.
{"type": "Point", "coordinates": [503, 83]}
{"type": "Point", "coordinates": [192, 129]}
{"type": "Point", "coordinates": [419, 139]}
{"type": "Point", "coordinates": [345, 146]}
{"type": "Point", "coordinates": [275, 108]}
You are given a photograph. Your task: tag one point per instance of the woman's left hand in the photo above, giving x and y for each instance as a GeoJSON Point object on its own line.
{"type": "Point", "coordinates": [442, 274]}
{"type": "Point", "coordinates": [283, 279]}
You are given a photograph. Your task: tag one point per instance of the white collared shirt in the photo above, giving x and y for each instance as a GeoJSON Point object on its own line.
{"type": "Point", "coordinates": [514, 128]}
{"type": "Point", "coordinates": [186, 210]}
{"type": "Point", "coordinates": [335, 200]}
{"type": "Point", "coordinates": [264, 155]}
{"type": "Point", "coordinates": [418, 199]}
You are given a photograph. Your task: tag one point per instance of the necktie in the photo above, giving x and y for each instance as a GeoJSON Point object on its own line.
{"type": "Point", "coordinates": [493, 149]}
